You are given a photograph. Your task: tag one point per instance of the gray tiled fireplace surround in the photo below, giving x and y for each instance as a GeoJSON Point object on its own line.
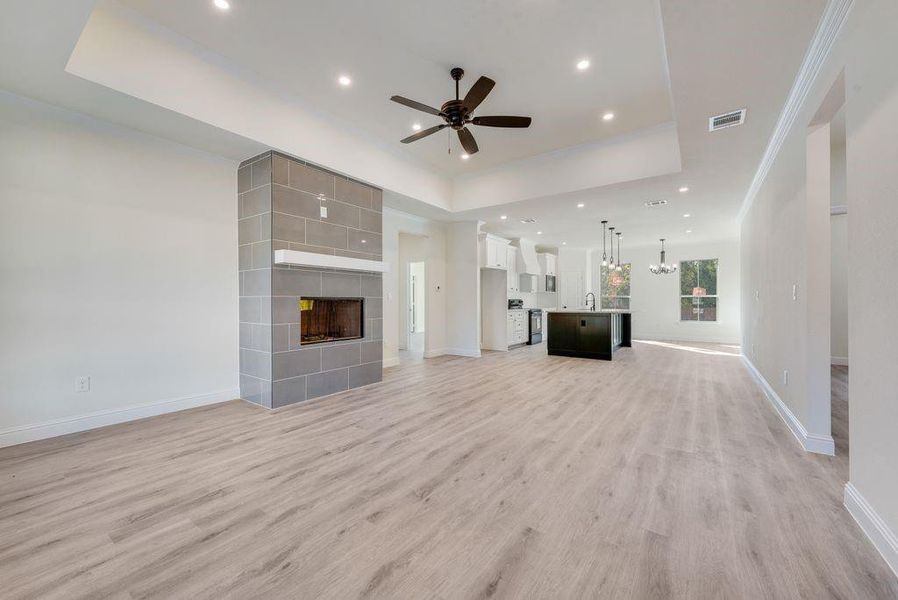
{"type": "Point", "coordinates": [279, 207]}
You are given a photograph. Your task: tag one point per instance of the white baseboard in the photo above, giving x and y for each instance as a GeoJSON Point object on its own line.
{"type": "Point", "coordinates": [391, 362]}
{"type": "Point", "coordinates": [708, 339]}
{"type": "Point", "coordinates": [812, 442]}
{"type": "Point", "coordinates": [883, 538]}
{"type": "Point", "coordinates": [452, 351]}
{"type": "Point", "coordinates": [839, 361]}
{"type": "Point", "coordinates": [57, 427]}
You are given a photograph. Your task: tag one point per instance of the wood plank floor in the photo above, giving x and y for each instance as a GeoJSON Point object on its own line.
{"type": "Point", "coordinates": [664, 474]}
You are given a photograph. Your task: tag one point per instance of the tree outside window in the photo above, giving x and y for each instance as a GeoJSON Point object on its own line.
{"type": "Point", "coordinates": [698, 290]}
{"type": "Point", "coordinates": [615, 288]}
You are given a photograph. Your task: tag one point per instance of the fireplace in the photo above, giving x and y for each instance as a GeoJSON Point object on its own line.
{"type": "Point", "coordinates": [330, 320]}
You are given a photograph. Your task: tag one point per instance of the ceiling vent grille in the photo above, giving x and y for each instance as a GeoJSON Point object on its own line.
{"type": "Point", "coordinates": [528, 220]}
{"type": "Point", "coordinates": [654, 203]}
{"type": "Point", "coordinates": [730, 119]}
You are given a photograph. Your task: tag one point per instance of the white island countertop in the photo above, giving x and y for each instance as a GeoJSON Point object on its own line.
{"type": "Point", "coordinates": [611, 311]}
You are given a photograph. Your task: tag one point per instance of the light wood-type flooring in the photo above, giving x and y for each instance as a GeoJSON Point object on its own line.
{"type": "Point", "coordinates": [663, 474]}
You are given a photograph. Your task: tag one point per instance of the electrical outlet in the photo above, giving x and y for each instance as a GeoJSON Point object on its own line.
{"type": "Point", "coordinates": [82, 384]}
{"type": "Point", "coordinates": [323, 212]}
{"type": "Point", "coordinates": [795, 291]}
{"type": "Point", "coordinates": [785, 377]}
{"type": "Point", "coordinates": [757, 294]}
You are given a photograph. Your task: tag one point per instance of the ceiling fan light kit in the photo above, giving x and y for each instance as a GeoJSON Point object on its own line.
{"type": "Point", "coordinates": [457, 113]}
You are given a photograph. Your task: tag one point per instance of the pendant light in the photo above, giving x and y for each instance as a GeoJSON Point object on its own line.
{"type": "Point", "coordinates": [618, 267]}
{"type": "Point", "coordinates": [663, 268]}
{"type": "Point", "coordinates": [611, 260]}
{"type": "Point", "coordinates": [604, 258]}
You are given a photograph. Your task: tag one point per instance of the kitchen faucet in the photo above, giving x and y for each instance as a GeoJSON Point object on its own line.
{"type": "Point", "coordinates": [593, 307]}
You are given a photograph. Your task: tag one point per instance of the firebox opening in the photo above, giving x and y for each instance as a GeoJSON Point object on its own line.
{"type": "Point", "coordinates": [330, 319]}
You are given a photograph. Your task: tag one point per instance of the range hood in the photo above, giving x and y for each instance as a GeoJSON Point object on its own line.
{"type": "Point", "coordinates": [529, 261]}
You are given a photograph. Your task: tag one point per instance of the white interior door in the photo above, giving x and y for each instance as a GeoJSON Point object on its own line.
{"type": "Point", "coordinates": [571, 291]}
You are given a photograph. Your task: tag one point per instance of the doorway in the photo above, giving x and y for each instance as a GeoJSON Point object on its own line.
{"type": "Point", "coordinates": [412, 275]}
{"type": "Point", "coordinates": [417, 303]}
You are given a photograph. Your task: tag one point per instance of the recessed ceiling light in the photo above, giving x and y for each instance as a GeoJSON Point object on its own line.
{"type": "Point", "coordinates": [564, 243]}
{"type": "Point", "coordinates": [580, 205]}
{"type": "Point", "coordinates": [465, 156]}
{"type": "Point", "coordinates": [583, 64]}
{"type": "Point", "coordinates": [539, 233]}
{"type": "Point", "coordinates": [344, 80]}
{"type": "Point", "coordinates": [364, 241]}
{"type": "Point", "coordinates": [416, 127]}
{"type": "Point", "coordinates": [503, 217]}
{"type": "Point", "coordinates": [608, 116]}
{"type": "Point", "coordinates": [222, 4]}
{"type": "Point", "coordinates": [684, 189]}
{"type": "Point", "coordinates": [686, 216]}
{"type": "Point", "coordinates": [688, 231]}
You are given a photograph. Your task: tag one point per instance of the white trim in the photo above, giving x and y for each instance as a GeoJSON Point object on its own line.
{"type": "Point", "coordinates": [883, 538]}
{"type": "Point", "coordinates": [834, 16]}
{"type": "Point", "coordinates": [64, 426]}
{"type": "Point", "coordinates": [391, 362]}
{"type": "Point", "coordinates": [839, 361]}
{"type": "Point", "coordinates": [812, 442]}
{"type": "Point", "coordinates": [839, 209]}
{"type": "Point", "coordinates": [328, 261]}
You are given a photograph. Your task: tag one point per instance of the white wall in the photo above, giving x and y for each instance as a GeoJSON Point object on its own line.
{"type": "Point", "coordinates": [434, 247]}
{"type": "Point", "coordinates": [774, 252]}
{"type": "Point", "coordinates": [840, 281]}
{"type": "Point", "coordinates": [655, 300]}
{"type": "Point", "coordinates": [463, 289]}
{"type": "Point", "coordinates": [118, 261]}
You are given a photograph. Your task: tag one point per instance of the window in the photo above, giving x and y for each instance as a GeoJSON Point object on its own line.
{"type": "Point", "coordinates": [698, 290]}
{"type": "Point", "coordinates": [615, 288]}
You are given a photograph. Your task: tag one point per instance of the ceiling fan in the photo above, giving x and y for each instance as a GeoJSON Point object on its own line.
{"type": "Point", "coordinates": [457, 113]}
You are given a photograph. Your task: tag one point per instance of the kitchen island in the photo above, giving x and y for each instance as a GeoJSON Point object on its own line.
{"type": "Point", "coordinates": [587, 333]}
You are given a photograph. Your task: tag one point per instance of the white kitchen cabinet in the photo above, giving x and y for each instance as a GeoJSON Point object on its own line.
{"type": "Point", "coordinates": [517, 327]}
{"type": "Point", "coordinates": [528, 283]}
{"type": "Point", "coordinates": [547, 263]}
{"type": "Point", "coordinates": [513, 283]}
{"type": "Point", "coordinates": [493, 252]}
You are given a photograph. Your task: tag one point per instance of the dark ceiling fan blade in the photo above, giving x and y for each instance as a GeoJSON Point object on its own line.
{"type": "Point", "coordinates": [481, 88]}
{"type": "Point", "coordinates": [502, 121]}
{"type": "Point", "coordinates": [416, 105]}
{"type": "Point", "coordinates": [467, 141]}
{"type": "Point", "coordinates": [423, 133]}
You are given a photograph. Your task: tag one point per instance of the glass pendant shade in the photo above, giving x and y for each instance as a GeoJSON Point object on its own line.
{"type": "Point", "coordinates": [663, 268]}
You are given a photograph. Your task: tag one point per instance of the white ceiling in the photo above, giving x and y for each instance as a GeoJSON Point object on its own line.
{"type": "Point", "coordinates": [530, 48]}
{"type": "Point", "coordinates": [653, 62]}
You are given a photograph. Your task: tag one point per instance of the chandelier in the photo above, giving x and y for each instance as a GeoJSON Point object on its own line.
{"type": "Point", "coordinates": [663, 268]}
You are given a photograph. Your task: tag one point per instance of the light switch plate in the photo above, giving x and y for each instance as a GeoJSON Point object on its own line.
{"type": "Point", "coordinates": [795, 291]}
{"type": "Point", "coordinates": [82, 384]}
{"type": "Point", "coordinates": [323, 212]}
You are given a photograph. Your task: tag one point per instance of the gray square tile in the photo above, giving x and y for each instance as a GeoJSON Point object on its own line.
{"type": "Point", "coordinates": [279, 168]}
{"type": "Point", "coordinates": [364, 241]}
{"type": "Point", "coordinates": [372, 285]}
{"type": "Point", "coordinates": [280, 338]}
{"type": "Point", "coordinates": [262, 255]}
{"type": "Point", "coordinates": [366, 374]}
{"type": "Point", "coordinates": [261, 337]}
{"type": "Point", "coordinates": [329, 382]}
{"type": "Point", "coordinates": [309, 179]}
{"type": "Point", "coordinates": [284, 309]}
{"type": "Point", "coordinates": [289, 282]}
{"type": "Point", "coordinates": [249, 230]}
{"type": "Point", "coordinates": [265, 226]}
{"type": "Point", "coordinates": [344, 355]}
{"type": "Point", "coordinates": [251, 389]}
{"type": "Point", "coordinates": [244, 179]}
{"type": "Point", "coordinates": [245, 257]}
{"type": "Point", "coordinates": [370, 220]}
{"type": "Point", "coordinates": [342, 284]}
{"type": "Point", "coordinates": [374, 308]}
{"type": "Point", "coordinates": [250, 310]}
{"type": "Point", "coordinates": [246, 335]}
{"type": "Point", "coordinates": [372, 351]}
{"type": "Point", "coordinates": [295, 363]}
{"type": "Point", "coordinates": [257, 282]}
{"type": "Point", "coordinates": [288, 228]}
{"type": "Point", "coordinates": [262, 172]}
{"type": "Point", "coordinates": [352, 192]}
{"type": "Point", "coordinates": [374, 329]}
{"type": "Point", "coordinates": [288, 391]}
{"type": "Point", "coordinates": [256, 202]}
{"type": "Point", "coordinates": [341, 213]}
{"type": "Point", "coordinates": [377, 200]}
{"type": "Point", "coordinates": [325, 234]}
{"type": "Point", "coordinates": [294, 202]}
{"type": "Point", "coordinates": [255, 363]}
{"type": "Point", "coordinates": [295, 340]}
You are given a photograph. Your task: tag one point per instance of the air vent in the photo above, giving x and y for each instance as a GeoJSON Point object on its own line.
{"type": "Point", "coordinates": [654, 203]}
{"type": "Point", "coordinates": [730, 119]}
{"type": "Point", "coordinates": [528, 220]}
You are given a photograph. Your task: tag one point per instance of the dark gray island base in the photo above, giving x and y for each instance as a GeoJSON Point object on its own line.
{"type": "Point", "coordinates": [587, 334]}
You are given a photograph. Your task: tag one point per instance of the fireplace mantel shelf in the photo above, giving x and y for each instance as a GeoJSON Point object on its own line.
{"type": "Point", "coordinates": [328, 261]}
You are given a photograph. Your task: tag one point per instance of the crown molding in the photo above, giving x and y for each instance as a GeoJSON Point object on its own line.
{"type": "Point", "coordinates": [834, 17]}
